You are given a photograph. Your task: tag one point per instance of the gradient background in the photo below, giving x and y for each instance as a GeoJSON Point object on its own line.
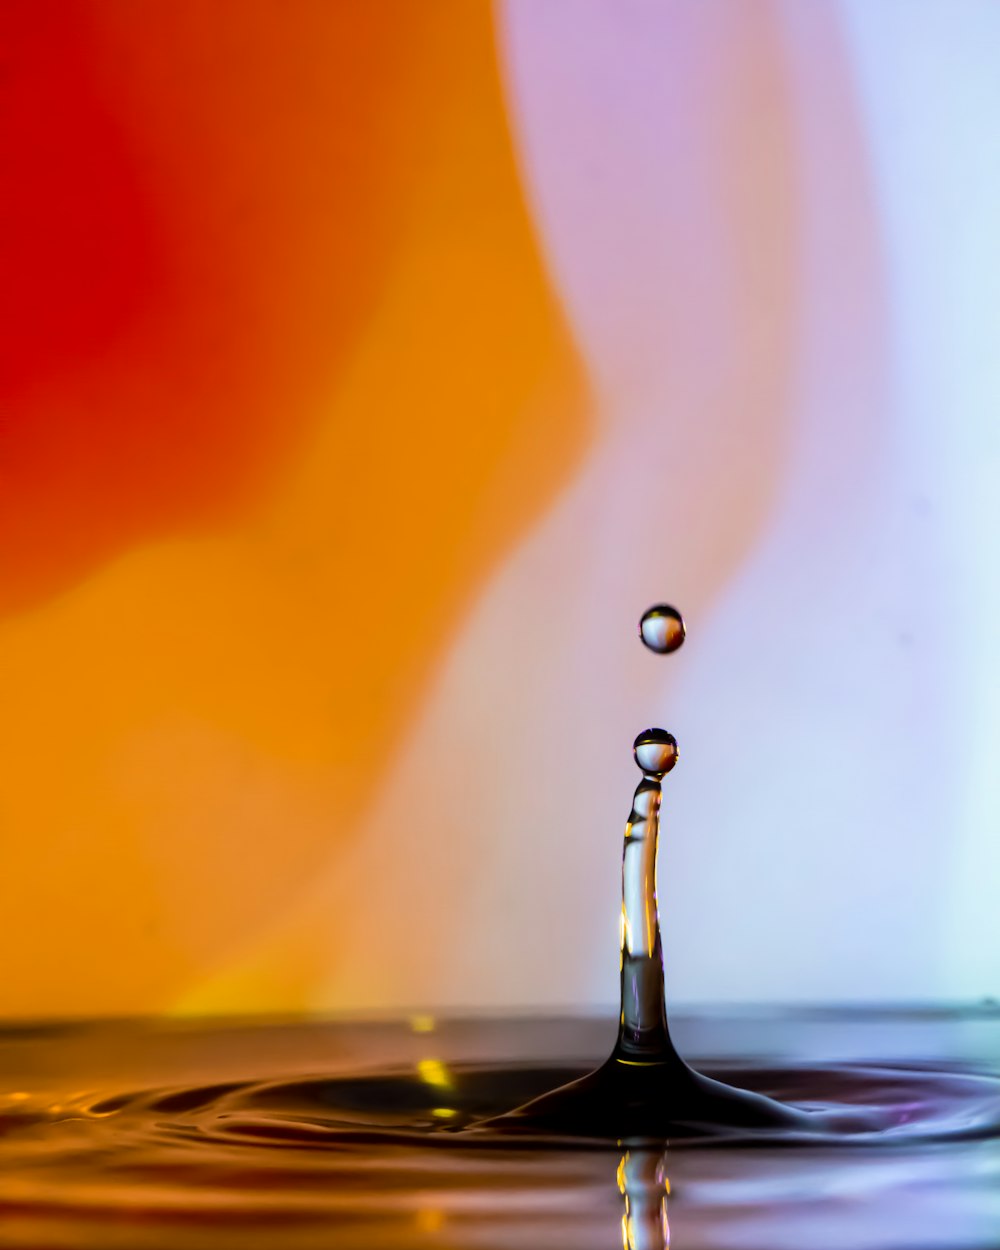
{"type": "Point", "coordinates": [367, 369]}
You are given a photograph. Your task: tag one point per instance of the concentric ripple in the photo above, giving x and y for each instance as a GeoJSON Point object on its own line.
{"type": "Point", "coordinates": [470, 1106]}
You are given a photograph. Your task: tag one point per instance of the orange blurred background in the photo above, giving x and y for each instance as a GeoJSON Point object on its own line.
{"type": "Point", "coordinates": [366, 370]}
{"type": "Point", "coordinates": [282, 375]}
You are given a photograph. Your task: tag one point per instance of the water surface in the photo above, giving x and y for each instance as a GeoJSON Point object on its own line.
{"type": "Point", "coordinates": [314, 1133]}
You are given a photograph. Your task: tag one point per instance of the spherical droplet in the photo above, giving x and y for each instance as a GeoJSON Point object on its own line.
{"type": "Point", "coordinates": [662, 628]}
{"type": "Point", "coordinates": [655, 751]}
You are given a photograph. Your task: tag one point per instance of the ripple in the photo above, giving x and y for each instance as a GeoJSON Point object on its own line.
{"type": "Point", "coordinates": [470, 1106]}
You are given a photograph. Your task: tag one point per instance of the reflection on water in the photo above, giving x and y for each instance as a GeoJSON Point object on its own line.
{"type": "Point", "coordinates": [644, 1184]}
{"type": "Point", "coordinates": [308, 1135]}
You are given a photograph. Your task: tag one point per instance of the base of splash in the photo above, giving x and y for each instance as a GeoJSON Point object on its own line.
{"type": "Point", "coordinates": [482, 1105]}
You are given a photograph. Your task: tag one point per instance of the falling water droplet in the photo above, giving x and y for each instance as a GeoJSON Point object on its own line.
{"type": "Point", "coordinates": [655, 752]}
{"type": "Point", "coordinates": [662, 628]}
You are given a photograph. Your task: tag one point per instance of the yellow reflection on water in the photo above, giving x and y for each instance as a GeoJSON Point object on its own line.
{"type": "Point", "coordinates": [433, 1072]}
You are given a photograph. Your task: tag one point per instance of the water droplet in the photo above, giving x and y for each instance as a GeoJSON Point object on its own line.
{"type": "Point", "coordinates": [662, 628]}
{"type": "Point", "coordinates": [655, 751]}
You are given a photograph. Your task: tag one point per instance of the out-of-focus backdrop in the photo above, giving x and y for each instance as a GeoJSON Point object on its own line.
{"type": "Point", "coordinates": [367, 369]}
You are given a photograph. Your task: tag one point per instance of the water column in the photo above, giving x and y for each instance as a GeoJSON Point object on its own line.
{"type": "Point", "coordinates": [643, 1036]}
